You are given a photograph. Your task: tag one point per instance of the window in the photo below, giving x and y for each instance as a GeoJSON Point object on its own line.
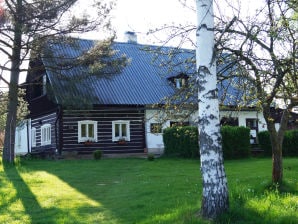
{"type": "Point", "coordinates": [33, 137]}
{"type": "Point", "coordinates": [120, 130]}
{"type": "Point", "coordinates": [155, 128]}
{"type": "Point", "coordinates": [46, 134]}
{"type": "Point", "coordinates": [180, 82]}
{"type": "Point", "coordinates": [19, 137]}
{"type": "Point", "coordinates": [178, 124]}
{"type": "Point", "coordinates": [87, 131]}
{"type": "Point", "coordinates": [231, 121]}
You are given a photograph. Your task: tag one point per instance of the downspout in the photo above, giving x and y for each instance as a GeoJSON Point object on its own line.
{"type": "Point", "coordinates": [28, 139]}
{"type": "Point", "coordinates": [57, 136]}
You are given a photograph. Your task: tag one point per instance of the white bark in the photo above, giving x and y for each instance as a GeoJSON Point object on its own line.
{"type": "Point", "coordinates": [215, 192]}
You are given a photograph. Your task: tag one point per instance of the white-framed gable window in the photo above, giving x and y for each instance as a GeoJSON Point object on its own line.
{"type": "Point", "coordinates": [45, 134]}
{"type": "Point", "coordinates": [87, 131]}
{"type": "Point", "coordinates": [33, 137]}
{"type": "Point", "coordinates": [120, 130]}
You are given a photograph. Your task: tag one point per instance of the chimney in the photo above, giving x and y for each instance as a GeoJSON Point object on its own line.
{"type": "Point", "coordinates": [130, 37]}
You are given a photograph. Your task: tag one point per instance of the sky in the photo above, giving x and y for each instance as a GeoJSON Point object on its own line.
{"type": "Point", "coordinates": [141, 15]}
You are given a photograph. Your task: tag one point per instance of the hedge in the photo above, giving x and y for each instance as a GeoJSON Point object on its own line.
{"type": "Point", "coordinates": [290, 143]}
{"type": "Point", "coordinates": [235, 142]}
{"type": "Point", "coordinates": [264, 142]}
{"type": "Point", "coordinates": [183, 141]}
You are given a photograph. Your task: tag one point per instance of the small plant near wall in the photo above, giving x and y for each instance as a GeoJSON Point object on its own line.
{"type": "Point", "coordinates": [150, 157]}
{"type": "Point", "coordinates": [97, 154]}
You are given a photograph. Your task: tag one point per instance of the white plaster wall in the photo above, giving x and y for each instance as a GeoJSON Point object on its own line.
{"type": "Point", "coordinates": [243, 115]}
{"type": "Point", "coordinates": [155, 144]}
{"type": "Point", "coordinates": [154, 141]}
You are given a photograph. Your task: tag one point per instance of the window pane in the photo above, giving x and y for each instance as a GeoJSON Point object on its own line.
{"type": "Point", "coordinates": [123, 129]}
{"type": "Point", "coordinates": [47, 134]}
{"type": "Point", "coordinates": [117, 130]}
{"type": "Point", "coordinates": [83, 130]}
{"type": "Point", "coordinates": [91, 131]}
{"type": "Point", "coordinates": [155, 128]}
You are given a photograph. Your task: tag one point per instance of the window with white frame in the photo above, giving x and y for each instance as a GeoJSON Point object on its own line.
{"type": "Point", "coordinates": [87, 131]}
{"type": "Point", "coordinates": [46, 134]}
{"type": "Point", "coordinates": [33, 137]}
{"type": "Point", "coordinates": [120, 130]}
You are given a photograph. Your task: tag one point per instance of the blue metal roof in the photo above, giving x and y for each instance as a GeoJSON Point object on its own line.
{"type": "Point", "coordinates": [143, 81]}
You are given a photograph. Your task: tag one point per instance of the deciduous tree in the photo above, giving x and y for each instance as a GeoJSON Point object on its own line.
{"type": "Point", "coordinates": [266, 45]}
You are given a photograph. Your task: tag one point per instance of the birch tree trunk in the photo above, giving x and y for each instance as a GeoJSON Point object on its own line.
{"type": "Point", "coordinates": [215, 199]}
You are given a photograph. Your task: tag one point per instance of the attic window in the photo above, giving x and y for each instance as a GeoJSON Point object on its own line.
{"type": "Point", "coordinates": [179, 81]}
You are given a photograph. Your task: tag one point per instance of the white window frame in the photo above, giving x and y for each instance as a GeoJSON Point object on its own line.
{"type": "Point", "coordinates": [87, 138]}
{"type": "Point", "coordinates": [33, 137]}
{"type": "Point", "coordinates": [120, 122]}
{"type": "Point", "coordinates": [45, 132]}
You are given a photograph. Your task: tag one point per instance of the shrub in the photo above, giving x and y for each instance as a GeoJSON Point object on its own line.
{"type": "Point", "coordinates": [150, 157]}
{"type": "Point", "coordinates": [264, 142]}
{"type": "Point", "coordinates": [181, 141]}
{"type": "Point", "coordinates": [97, 154]}
{"type": "Point", "coordinates": [235, 142]}
{"type": "Point", "coordinates": [290, 143]}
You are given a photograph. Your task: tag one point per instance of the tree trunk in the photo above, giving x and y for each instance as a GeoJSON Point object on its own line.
{"type": "Point", "coordinates": [277, 169]}
{"type": "Point", "coordinates": [276, 138]}
{"type": "Point", "coordinates": [9, 140]}
{"type": "Point", "coordinates": [215, 198]}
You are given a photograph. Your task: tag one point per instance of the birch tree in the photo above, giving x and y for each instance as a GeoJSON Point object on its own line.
{"type": "Point", "coordinates": [215, 199]}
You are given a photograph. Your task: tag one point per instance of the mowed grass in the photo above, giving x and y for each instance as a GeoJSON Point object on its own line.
{"type": "Point", "coordinates": [121, 191]}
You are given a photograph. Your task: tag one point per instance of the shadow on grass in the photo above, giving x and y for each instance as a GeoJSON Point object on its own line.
{"type": "Point", "coordinates": [24, 194]}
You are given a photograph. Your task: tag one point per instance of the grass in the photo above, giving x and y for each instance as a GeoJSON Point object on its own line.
{"type": "Point", "coordinates": [120, 191]}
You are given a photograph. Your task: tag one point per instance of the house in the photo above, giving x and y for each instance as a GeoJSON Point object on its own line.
{"type": "Point", "coordinates": [125, 116]}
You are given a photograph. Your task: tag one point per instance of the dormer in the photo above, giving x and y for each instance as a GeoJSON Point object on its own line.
{"type": "Point", "coordinates": [179, 81]}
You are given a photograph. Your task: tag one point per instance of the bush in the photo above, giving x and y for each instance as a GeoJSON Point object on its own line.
{"type": "Point", "coordinates": [150, 157]}
{"type": "Point", "coordinates": [235, 142]}
{"type": "Point", "coordinates": [265, 143]}
{"type": "Point", "coordinates": [181, 141]}
{"type": "Point", "coordinates": [97, 154]}
{"type": "Point", "coordinates": [290, 143]}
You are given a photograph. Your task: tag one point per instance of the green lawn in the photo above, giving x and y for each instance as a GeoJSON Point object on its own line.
{"type": "Point", "coordinates": [140, 191]}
